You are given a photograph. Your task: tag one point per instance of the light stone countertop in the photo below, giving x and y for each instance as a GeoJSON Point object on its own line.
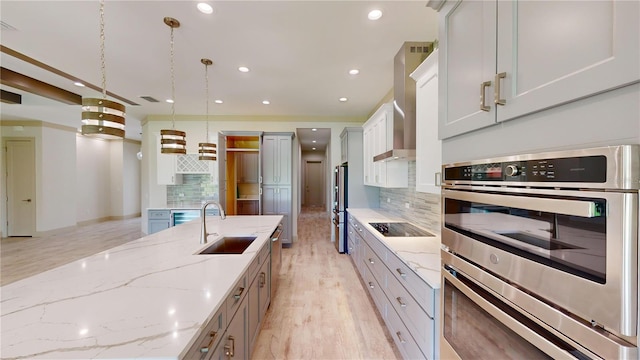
{"type": "Point", "coordinates": [422, 254]}
{"type": "Point", "coordinates": [148, 298]}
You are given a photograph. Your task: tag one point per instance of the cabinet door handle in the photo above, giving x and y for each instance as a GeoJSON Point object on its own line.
{"type": "Point", "coordinates": [402, 304]}
{"type": "Point", "coordinates": [207, 348]}
{"type": "Point", "coordinates": [496, 94]}
{"type": "Point", "coordinates": [402, 340]}
{"type": "Point", "coordinates": [263, 279]}
{"type": "Point", "coordinates": [402, 274]}
{"type": "Point", "coordinates": [483, 86]}
{"type": "Point", "coordinates": [230, 349]}
{"type": "Point", "coordinates": [371, 261]}
{"type": "Point", "coordinates": [238, 293]}
{"type": "Point", "coordinates": [437, 181]}
{"type": "Point", "coordinates": [371, 285]}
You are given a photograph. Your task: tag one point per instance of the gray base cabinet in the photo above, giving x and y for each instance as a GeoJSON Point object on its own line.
{"type": "Point", "coordinates": [405, 301]}
{"type": "Point", "coordinates": [158, 220]}
{"type": "Point", "coordinates": [277, 153]}
{"type": "Point", "coordinates": [232, 332]}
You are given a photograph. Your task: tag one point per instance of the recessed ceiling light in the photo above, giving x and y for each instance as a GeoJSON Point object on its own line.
{"type": "Point", "coordinates": [170, 101]}
{"type": "Point", "coordinates": [314, 129]}
{"type": "Point", "coordinates": [313, 141]}
{"type": "Point", "coordinates": [266, 102]}
{"type": "Point", "coordinates": [78, 83]}
{"type": "Point", "coordinates": [205, 8]}
{"type": "Point", "coordinates": [218, 101]}
{"type": "Point", "coordinates": [343, 99]}
{"type": "Point", "coordinates": [313, 148]}
{"type": "Point", "coordinates": [243, 69]}
{"type": "Point", "coordinates": [354, 71]}
{"type": "Point", "coordinates": [374, 14]}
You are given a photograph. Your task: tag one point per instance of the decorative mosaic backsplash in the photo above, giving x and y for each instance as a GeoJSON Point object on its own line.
{"type": "Point", "coordinates": [424, 209]}
{"type": "Point", "coordinates": [195, 188]}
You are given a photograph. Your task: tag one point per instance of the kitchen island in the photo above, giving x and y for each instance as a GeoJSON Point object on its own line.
{"type": "Point", "coordinates": [149, 298]}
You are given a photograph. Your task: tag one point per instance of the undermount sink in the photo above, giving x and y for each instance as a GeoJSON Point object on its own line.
{"type": "Point", "coordinates": [228, 245]}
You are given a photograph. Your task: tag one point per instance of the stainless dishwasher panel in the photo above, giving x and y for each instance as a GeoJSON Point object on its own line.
{"type": "Point", "coordinates": [276, 258]}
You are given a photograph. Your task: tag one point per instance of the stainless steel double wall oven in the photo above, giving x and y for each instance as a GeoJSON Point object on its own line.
{"type": "Point", "coordinates": [540, 256]}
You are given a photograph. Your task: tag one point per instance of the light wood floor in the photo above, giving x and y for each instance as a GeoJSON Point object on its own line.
{"type": "Point", "coordinates": [21, 257]}
{"type": "Point", "coordinates": [321, 309]}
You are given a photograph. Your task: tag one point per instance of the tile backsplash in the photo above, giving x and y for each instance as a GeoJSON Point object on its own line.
{"type": "Point", "coordinates": [424, 208]}
{"type": "Point", "coordinates": [194, 189]}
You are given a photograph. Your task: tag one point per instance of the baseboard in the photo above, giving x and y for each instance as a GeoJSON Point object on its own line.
{"type": "Point", "coordinates": [125, 217]}
{"type": "Point", "coordinates": [108, 218]}
{"type": "Point", "coordinates": [54, 231]}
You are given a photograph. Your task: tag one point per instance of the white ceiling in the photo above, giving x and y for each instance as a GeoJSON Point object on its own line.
{"type": "Point", "coordinates": [299, 53]}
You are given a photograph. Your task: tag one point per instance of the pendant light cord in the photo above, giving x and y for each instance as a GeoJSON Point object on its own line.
{"type": "Point", "coordinates": [102, 57]}
{"type": "Point", "coordinates": [173, 87]}
{"type": "Point", "coordinates": [206, 77]}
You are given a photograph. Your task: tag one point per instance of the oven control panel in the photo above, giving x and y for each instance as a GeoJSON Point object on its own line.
{"type": "Point", "coordinates": [586, 169]}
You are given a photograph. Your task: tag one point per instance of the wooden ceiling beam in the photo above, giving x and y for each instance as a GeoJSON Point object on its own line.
{"type": "Point", "coordinates": [8, 97]}
{"type": "Point", "coordinates": [31, 85]}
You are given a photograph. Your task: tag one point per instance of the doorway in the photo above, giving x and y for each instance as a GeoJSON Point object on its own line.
{"type": "Point", "coordinates": [314, 183]}
{"type": "Point", "coordinates": [21, 187]}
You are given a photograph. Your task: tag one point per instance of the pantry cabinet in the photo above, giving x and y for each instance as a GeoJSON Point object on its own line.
{"type": "Point", "coordinates": [429, 147]}
{"type": "Point", "coordinates": [520, 57]}
{"type": "Point", "coordinates": [378, 138]}
{"type": "Point", "coordinates": [276, 200]}
{"type": "Point", "coordinates": [277, 153]}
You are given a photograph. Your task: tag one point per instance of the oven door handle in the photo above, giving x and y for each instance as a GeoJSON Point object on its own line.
{"type": "Point", "coordinates": [526, 333]}
{"type": "Point", "coordinates": [587, 209]}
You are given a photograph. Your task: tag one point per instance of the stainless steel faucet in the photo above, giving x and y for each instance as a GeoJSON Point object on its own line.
{"type": "Point", "coordinates": [203, 217]}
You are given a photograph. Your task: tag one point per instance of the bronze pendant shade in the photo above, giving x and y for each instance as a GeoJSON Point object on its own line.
{"type": "Point", "coordinates": [172, 141]}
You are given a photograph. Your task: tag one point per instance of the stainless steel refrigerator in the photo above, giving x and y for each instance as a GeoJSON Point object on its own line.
{"type": "Point", "coordinates": [339, 206]}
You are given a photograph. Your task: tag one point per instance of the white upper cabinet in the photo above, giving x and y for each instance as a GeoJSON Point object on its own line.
{"type": "Point", "coordinates": [166, 172]}
{"type": "Point", "coordinates": [428, 146]}
{"type": "Point", "coordinates": [378, 138]}
{"type": "Point", "coordinates": [506, 59]}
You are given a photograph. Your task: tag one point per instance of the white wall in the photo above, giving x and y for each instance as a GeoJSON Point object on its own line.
{"type": "Point", "coordinates": [93, 178]}
{"type": "Point", "coordinates": [73, 175]}
{"type": "Point", "coordinates": [154, 195]}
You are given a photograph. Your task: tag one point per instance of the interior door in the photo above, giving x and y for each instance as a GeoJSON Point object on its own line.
{"type": "Point", "coordinates": [314, 187]}
{"type": "Point", "coordinates": [21, 189]}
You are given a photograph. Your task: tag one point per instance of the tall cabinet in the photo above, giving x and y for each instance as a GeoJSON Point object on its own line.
{"type": "Point", "coordinates": [240, 164]}
{"type": "Point", "coordinates": [277, 153]}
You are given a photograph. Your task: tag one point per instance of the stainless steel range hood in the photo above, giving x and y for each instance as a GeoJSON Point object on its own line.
{"type": "Point", "coordinates": [411, 55]}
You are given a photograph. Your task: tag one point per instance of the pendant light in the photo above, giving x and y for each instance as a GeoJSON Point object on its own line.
{"type": "Point", "coordinates": [206, 149]}
{"type": "Point", "coordinates": [101, 117]}
{"type": "Point", "coordinates": [172, 141]}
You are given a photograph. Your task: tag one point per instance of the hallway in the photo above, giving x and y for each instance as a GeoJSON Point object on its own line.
{"type": "Point", "coordinates": [321, 309]}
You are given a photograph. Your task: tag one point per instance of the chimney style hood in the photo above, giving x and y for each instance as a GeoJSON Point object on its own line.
{"type": "Point", "coordinates": [411, 55]}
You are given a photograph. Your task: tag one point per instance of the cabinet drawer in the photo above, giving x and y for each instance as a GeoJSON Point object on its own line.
{"type": "Point", "coordinates": [375, 290]}
{"type": "Point", "coordinates": [422, 292]}
{"type": "Point", "coordinates": [376, 245]}
{"type": "Point", "coordinates": [414, 317]}
{"type": "Point", "coordinates": [375, 265]}
{"type": "Point", "coordinates": [238, 292]}
{"type": "Point", "coordinates": [264, 253]}
{"type": "Point", "coordinates": [210, 337]}
{"type": "Point", "coordinates": [253, 268]}
{"type": "Point", "coordinates": [406, 344]}
{"type": "Point", "coordinates": [159, 214]}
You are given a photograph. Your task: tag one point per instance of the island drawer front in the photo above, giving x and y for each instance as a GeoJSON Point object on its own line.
{"type": "Point", "coordinates": [238, 292]}
{"type": "Point", "coordinates": [401, 336]}
{"type": "Point", "coordinates": [421, 325]}
{"type": "Point", "coordinates": [159, 214]}
{"type": "Point", "coordinates": [374, 264]}
{"type": "Point", "coordinates": [210, 337]}
{"type": "Point", "coordinates": [375, 290]}
{"type": "Point", "coordinates": [417, 287]}
{"type": "Point", "coordinates": [253, 268]}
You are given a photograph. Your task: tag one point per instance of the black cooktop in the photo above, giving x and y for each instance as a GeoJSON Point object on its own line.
{"type": "Point", "coordinates": [399, 229]}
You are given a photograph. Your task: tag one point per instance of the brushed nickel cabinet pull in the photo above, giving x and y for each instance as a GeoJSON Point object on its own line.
{"type": "Point", "coordinates": [263, 278]}
{"type": "Point", "coordinates": [207, 348]}
{"type": "Point", "coordinates": [230, 349]}
{"type": "Point", "coordinates": [483, 86]}
{"type": "Point", "coordinates": [238, 293]}
{"type": "Point", "coordinates": [371, 261]}
{"type": "Point", "coordinates": [399, 335]}
{"type": "Point", "coordinates": [399, 299]}
{"type": "Point", "coordinates": [496, 94]}
{"type": "Point", "coordinates": [371, 285]}
{"type": "Point", "coordinates": [402, 274]}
